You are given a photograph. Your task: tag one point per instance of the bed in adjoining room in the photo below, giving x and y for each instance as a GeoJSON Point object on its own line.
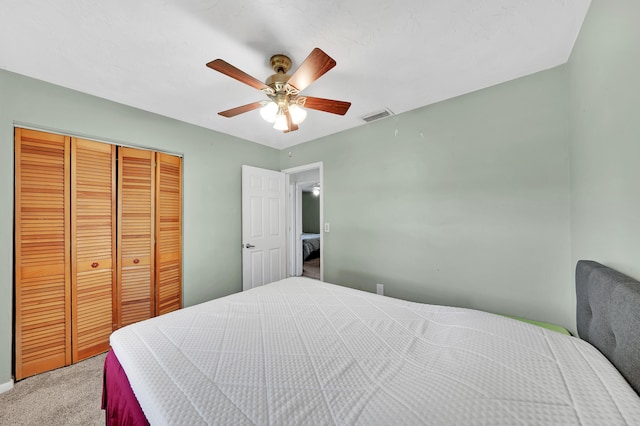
{"type": "Point", "coordinates": [310, 246]}
{"type": "Point", "coordinates": [303, 351]}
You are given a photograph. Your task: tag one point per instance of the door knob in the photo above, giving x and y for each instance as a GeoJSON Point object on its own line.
{"type": "Point", "coordinates": [249, 245]}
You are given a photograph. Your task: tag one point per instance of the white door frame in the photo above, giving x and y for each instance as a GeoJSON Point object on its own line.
{"type": "Point", "coordinates": [291, 210]}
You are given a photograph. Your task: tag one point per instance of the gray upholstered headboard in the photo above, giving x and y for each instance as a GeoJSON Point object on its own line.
{"type": "Point", "coordinates": [608, 316]}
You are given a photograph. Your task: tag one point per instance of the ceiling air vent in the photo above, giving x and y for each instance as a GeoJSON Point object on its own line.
{"type": "Point", "coordinates": [377, 115]}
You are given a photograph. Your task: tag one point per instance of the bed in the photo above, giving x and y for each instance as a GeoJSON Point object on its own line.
{"type": "Point", "coordinates": [310, 246]}
{"type": "Point", "coordinates": [303, 351]}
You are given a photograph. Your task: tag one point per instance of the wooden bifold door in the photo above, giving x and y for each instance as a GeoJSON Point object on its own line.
{"type": "Point", "coordinates": [98, 245]}
{"type": "Point", "coordinates": [136, 220]}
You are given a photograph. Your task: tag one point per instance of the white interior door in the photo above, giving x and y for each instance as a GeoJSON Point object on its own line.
{"type": "Point", "coordinates": [263, 226]}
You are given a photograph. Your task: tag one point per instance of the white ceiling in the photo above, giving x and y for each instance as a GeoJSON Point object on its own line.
{"type": "Point", "coordinates": [400, 54]}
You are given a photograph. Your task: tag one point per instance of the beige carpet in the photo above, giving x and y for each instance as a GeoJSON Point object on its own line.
{"type": "Point", "coordinates": [66, 396]}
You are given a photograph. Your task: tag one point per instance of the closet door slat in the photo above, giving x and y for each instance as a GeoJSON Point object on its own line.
{"type": "Point", "coordinates": [136, 194]}
{"type": "Point", "coordinates": [168, 233]}
{"type": "Point", "coordinates": [93, 233]}
{"type": "Point", "coordinates": [42, 271]}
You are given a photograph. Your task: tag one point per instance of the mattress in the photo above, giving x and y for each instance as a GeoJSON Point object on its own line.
{"type": "Point", "coordinates": [302, 351]}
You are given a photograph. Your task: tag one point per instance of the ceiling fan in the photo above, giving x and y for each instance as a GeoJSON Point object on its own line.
{"type": "Point", "coordinates": [285, 105]}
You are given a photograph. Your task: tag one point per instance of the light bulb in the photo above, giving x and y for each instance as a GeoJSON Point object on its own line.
{"type": "Point", "coordinates": [269, 111]}
{"type": "Point", "coordinates": [316, 191]}
{"type": "Point", "coordinates": [281, 122]}
{"type": "Point", "coordinates": [297, 114]}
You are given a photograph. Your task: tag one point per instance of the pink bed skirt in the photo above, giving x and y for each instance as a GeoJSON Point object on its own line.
{"type": "Point", "coordinates": [120, 404]}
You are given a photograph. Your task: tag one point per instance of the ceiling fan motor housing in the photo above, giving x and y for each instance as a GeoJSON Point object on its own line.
{"type": "Point", "coordinates": [277, 81]}
{"type": "Point", "coordinates": [280, 63]}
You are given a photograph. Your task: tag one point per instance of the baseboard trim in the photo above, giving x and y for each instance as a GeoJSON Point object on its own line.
{"type": "Point", "coordinates": [6, 387]}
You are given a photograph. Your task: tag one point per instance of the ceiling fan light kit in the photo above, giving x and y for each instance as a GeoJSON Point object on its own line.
{"type": "Point", "coordinates": [285, 107]}
{"type": "Point", "coordinates": [281, 122]}
{"type": "Point", "coordinates": [297, 114]}
{"type": "Point", "coordinates": [269, 112]}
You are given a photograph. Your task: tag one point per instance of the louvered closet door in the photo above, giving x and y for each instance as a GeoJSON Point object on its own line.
{"type": "Point", "coordinates": [42, 272]}
{"type": "Point", "coordinates": [136, 193]}
{"type": "Point", "coordinates": [93, 186]}
{"type": "Point", "coordinates": [168, 233]}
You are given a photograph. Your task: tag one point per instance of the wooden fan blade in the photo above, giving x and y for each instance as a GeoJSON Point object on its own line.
{"type": "Point", "coordinates": [291, 126]}
{"type": "Point", "coordinates": [240, 110]}
{"type": "Point", "coordinates": [233, 72]}
{"type": "Point", "coordinates": [311, 69]}
{"type": "Point", "coordinates": [327, 105]}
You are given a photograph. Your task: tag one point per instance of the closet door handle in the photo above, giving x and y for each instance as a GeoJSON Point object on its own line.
{"type": "Point", "coordinates": [248, 245]}
{"type": "Point", "coordinates": [95, 264]}
{"type": "Point", "coordinates": [136, 261]}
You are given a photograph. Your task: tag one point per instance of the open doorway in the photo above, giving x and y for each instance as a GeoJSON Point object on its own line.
{"type": "Point", "coordinates": [304, 219]}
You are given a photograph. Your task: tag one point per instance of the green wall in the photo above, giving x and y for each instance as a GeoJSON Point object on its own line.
{"type": "Point", "coordinates": [488, 200]}
{"type": "Point", "coordinates": [310, 213]}
{"type": "Point", "coordinates": [605, 142]}
{"type": "Point", "coordinates": [467, 205]}
{"type": "Point", "coordinates": [212, 228]}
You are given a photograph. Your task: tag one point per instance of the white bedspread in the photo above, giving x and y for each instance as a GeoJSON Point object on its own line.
{"type": "Point", "coordinates": [301, 351]}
